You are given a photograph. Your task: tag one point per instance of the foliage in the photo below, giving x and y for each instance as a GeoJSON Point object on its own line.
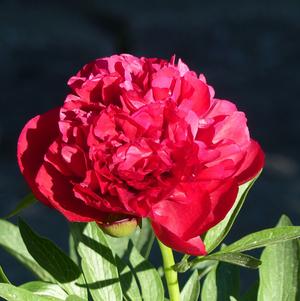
{"type": "Point", "coordinates": [102, 268]}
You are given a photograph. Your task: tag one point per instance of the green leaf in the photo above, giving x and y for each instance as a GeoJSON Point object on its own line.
{"type": "Point", "coordinates": [11, 241]}
{"type": "Point", "coordinates": [74, 298]}
{"type": "Point", "coordinates": [280, 270]}
{"type": "Point", "coordinates": [240, 259]}
{"type": "Point", "coordinates": [217, 234]}
{"type": "Point", "coordinates": [204, 267]}
{"type": "Point", "coordinates": [65, 272]}
{"type": "Point", "coordinates": [13, 293]}
{"type": "Point", "coordinates": [191, 290]}
{"type": "Point", "coordinates": [147, 276]}
{"type": "Point", "coordinates": [3, 277]}
{"type": "Point", "coordinates": [26, 202]}
{"type": "Point", "coordinates": [97, 262]}
{"type": "Point", "coordinates": [129, 284]}
{"type": "Point", "coordinates": [142, 239]}
{"type": "Point", "coordinates": [263, 238]}
{"type": "Point", "coordinates": [182, 266]}
{"type": "Point", "coordinates": [72, 250]}
{"type": "Point", "coordinates": [118, 244]}
{"type": "Point", "coordinates": [45, 289]}
{"type": "Point", "coordinates": [221, 283]}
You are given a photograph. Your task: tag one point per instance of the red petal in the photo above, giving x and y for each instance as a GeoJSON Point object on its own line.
{"type": "Point", "coordinates": [105, 126]}
{"type": "Point", "coordinates": [252, 164]}
{"type": "Point", "coordinates": [221, 108]}
{"type": "Point", "coordinates": [33, 143]}
{"type": "Point", "coordinates": [222, 199]}
{"type": "Point", "coordinates": [220, 171]}
{"type": "Point", "coordinates": [234, 128]}
{"type": "Point", "coordinates": [195, 95]}
{"type": "Point", "coordinates": [162, 82]}
{"type": "Point", "coordinates": [193, 246]}
{"type": "Point", "coordinates": [185, 212]}
{"type": "Point", "coordinates": [56, 188]}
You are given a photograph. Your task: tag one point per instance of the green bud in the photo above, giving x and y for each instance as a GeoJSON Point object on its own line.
{"type": "Point", "coordinates": [119, 225]}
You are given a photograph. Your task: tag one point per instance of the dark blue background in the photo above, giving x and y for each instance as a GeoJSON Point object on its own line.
{"type": "Point", "coordinates": [249, 51]}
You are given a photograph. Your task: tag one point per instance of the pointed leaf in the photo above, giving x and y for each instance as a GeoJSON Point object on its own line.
{"type": "Point", "coordinates": [72, 250]}
{"type": "Point", "coordinates": [74, 298]}
{"type": "Point", "coordinates": [217, 234]}
{"type": "Point", "coordinates": [204, 268]}
{"type": "Point", "coordinates": [182, 266]}
{"type": "Point", "coordinates": [129, 284]}
{"type": "Point", "coordinates": [240, 259]}
{"type": "Point", "coordinates": [147, 276]}
{"type": "Point", "coordinates": [11, 241]}
{"type": "Point", "coordinates": [209, 290]}
{"type": "Point", "coordinates": [3, 277]}
{"type": "Point", "coordinates": [144, 238]}
{"type": "Point", "coordinates": [12, 293]}
{"type": "Point", "coordinates": [191, 290]}
{"type": "Point", "coordinates": [97, 262]}
{"type": "Point", "coordinates": [221, 283]}
{"type": "Point", "coordinates": [280, 270]}
{"type": "Point", "coordinates": [26, 202]}
{"type": "Point", "coordinates": [65, 272]}
{"type": "Point", "coordinates": [45, 289]}
{"type": "Point", "coordinates": [263, 238]}
{"type": "Point", "coordinates": [118, 244]}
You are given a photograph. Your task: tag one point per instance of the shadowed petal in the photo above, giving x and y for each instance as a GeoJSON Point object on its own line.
{"type": "Point", "coordinates": [252, 164]}
{"type": "Point", "coordinates": [59, 192]}
{"type": "Point", "coordinates": [194, 246]}
{"type": "Point", "coordinates": [33, 143]}
{"type": "Point", "coordinates": [184, 212]}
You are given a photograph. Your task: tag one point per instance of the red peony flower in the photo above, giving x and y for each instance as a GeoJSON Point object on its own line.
{"type": "Point", "coordinates": [140, 137]}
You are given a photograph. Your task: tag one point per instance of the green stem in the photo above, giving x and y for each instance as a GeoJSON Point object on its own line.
{"type": "Point", "coordinates": [170, 274]}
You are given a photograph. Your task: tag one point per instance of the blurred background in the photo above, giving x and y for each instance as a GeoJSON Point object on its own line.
{"type": "Point", "coordinates": [249, 51]}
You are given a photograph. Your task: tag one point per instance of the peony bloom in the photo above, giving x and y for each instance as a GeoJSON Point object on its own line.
{"type": "Point", "coordinates": [141, 137]}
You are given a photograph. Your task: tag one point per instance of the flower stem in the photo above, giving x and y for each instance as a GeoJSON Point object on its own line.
{"type": "Point", "coordinates": [170, 274]}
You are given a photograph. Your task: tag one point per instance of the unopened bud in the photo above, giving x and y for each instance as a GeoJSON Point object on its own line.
{"type": "Point", "coordinates": [119, 225]}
